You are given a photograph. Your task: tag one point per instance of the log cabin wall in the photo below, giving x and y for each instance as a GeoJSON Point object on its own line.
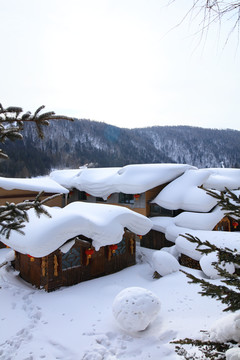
{"type": "Point", "coordinates": [29, 268]}
{"type": "Point", "coordinates": [53, 275]}
{"type": "Point", "coordinates": [76, 268]}
{"type": "Point", "coordinates": [155, 240]}
{"type": "Point", "coordinates": [223, 225]}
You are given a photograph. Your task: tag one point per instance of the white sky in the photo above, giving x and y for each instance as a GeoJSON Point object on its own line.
{"type": "Point", "coordinates": [124, 62]}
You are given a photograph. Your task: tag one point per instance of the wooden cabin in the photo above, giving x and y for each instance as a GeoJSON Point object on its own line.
{"type": "Point", "coordinates": [58, 256]}
{"type": "Point", "coordinates": [152, 190]}
{"type": "Point", "coordinates": [80, 263]}
{"type": "Point", "coordinates": [157, 240]}
{"type": "Point", "coordinates": [226, 224]}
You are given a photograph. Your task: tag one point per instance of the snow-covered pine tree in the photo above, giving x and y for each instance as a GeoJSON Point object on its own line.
{"type": "Point", "coordinates": [12, 120]}
{"type": "Point", "coordinates": [228, 293]}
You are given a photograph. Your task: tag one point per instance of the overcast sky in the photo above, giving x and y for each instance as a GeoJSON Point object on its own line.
{"type": "Point", "coordinates": [124, 62]}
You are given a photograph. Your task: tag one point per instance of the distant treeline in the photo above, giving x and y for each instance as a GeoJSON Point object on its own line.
{"type": "Point", "coordinates": [70, 145]}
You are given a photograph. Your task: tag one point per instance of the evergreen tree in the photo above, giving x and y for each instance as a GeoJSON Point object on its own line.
{"type": "Point", "coordinates": [12, 121]}
{"type": "Point", "coordinates": [228, 293]}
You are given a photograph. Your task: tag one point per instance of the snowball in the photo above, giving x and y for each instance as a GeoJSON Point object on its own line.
{"type": "Point", "coordinates": [233, 354]}
{"type": "Point", "coordinates": [226, 328]}
{"type": "Point", "coordinates": [134, 308]}
{"type": "Point", "coordinates": [208, 268]}
{"type": "Point", "coordinates": [165, 263]}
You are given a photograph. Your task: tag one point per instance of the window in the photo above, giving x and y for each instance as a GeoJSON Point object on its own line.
{"type": "Point", "coordinates": [156, 210]}
{"type": "Point", "coordinates": [126, 198]}
{"type": "Point", "coordinates": [121, 249]}
{"type": "Point", "coordinates": [71, 259]}
{"type": "Point", "coordinates": [100, 199]}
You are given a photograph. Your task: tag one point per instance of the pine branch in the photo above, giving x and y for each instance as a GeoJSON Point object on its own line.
{"type": "Point", "coordinates": [13, 216]}
{"type": "Point", "coordinates": [227, 200]}
{"type": "Point", "coordinates": [219, 292]}
{"type": "Point", "coordinates": [12, 122]}
{"type": "Point", "coordinates": [211, 349]}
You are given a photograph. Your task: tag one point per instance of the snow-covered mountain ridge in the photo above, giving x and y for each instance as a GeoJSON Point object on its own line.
{"type": "Point", "coordinates": [68, 144]}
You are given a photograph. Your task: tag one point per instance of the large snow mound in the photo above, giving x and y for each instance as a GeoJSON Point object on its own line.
{"type": "Point", "coordinates": [134, 308]}
{"type": "Point", "coordinates": [102, 223]}
{"type": "Point", "coordinates": [206, 263]}
{"type": "Point", "coordinates": [130, 179]}
{"type": "Point", "coordinates": [164, 263]}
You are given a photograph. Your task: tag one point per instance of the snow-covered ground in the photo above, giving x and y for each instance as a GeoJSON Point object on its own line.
{"type": "Point", "coordinates": [76, 323]}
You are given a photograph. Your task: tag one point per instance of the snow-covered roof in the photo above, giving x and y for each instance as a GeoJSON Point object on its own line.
{"type": "Point", "coordinates": [185, 192]}
{"type": "Point", "coordinates": [104, 224]}
{"type": "Point", "coordinates": [223, 177]}
{"type": "Point", "coordinates": [130, 179]}
{"type": "Point", "coordinates": [186, 222]}
{"type": "Point", "coordinates": [44, 183]}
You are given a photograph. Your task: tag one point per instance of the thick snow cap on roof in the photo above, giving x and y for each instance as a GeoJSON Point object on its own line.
{"type": "Point", "coordinates": [130, 179]}
{"type": "Point", "coordinates": [186, 222]}
{"type": "Point", "coordinates": [34, 184]}
{"type": "Point", "coordinates": [223, 177]}
{"type": "Point", "coordinates": [184, 193]}
{"type": "Point", "coordinates": [104, 224]}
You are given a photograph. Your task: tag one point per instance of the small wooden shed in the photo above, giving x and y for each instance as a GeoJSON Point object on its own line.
{"type": "Point", "coordinates": [80, 263]}
{"type": "Point", "coordinates": [53, 254]}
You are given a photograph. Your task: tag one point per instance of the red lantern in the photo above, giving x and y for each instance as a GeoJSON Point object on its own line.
{"type": "Point", "coordinates": [31, 257]}
{"type": "Point", "coordinates": [87, 194]}
{"type": "Point", "coordinates": [89, 252]}
{"type": "Point", "coordinates": [140, 236]}
{"type": "Point", "coordinates": [235, 224]}
{"type": "Point", "coordinates": [136, 196]}
{"type": "Point", "coordinates": [113, 248]}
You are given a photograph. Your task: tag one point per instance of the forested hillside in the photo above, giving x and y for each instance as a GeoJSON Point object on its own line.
{"type": "Point", "coordinates": [70, 145]}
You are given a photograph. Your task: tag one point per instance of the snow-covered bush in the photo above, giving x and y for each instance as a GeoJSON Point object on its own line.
{"type": "Point", "coordinates": [164, 263]}
{"type": "Point", "coordinates": [207, 261]}
{"type": "Point", "coordinates": [134, 308]}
